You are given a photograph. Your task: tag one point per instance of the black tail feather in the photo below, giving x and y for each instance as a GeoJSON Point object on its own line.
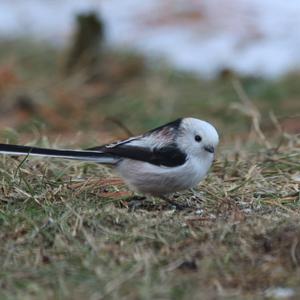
{"type": "Point", "coordinates": [89, 155]}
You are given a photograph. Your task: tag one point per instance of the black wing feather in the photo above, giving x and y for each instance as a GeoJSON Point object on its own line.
{"type": "Point", "coordinates": [169, 156]}
{"type": "Point", "coordinates": [171, 125]}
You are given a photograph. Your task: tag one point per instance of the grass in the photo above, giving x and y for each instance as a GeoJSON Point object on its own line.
{"type": "Point", "coordinates": [66, 239]}
{"type": "Point", "coordinates": [67, 231]}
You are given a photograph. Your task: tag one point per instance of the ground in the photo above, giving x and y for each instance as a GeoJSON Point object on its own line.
{"type": "Point", "coordinates": [67, 228]}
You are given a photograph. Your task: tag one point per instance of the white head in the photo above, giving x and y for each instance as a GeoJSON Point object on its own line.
{"type": "Point", "coordinates": [197, 137]}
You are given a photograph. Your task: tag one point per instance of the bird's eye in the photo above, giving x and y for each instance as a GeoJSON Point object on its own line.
{"type": "Point", "coordinates": [198, 138]}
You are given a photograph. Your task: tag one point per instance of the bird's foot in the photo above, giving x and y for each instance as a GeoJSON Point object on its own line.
{"type": "Point", "coordinates": [174, 204]}
{"type": "Point", "coordinates": [136, 202]}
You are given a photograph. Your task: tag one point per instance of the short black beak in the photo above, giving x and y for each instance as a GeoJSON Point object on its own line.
{"type": "Point", "coordinates": [209, 149]}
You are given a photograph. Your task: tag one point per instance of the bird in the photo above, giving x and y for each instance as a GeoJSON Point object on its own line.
{"type": "Point", "coordinates": [167, 159]}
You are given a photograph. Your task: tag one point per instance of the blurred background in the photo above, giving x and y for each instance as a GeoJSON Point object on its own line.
{"type": "Point", "coordinates": [86, 72]}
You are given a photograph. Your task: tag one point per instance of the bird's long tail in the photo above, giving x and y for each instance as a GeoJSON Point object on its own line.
{"type": "Point", "coordinates": [85, 155]}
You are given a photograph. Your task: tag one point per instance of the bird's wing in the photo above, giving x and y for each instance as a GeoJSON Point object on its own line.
{"type": "Point", "coordinates": [157, 147]}
{"type": "Point", "coordinates": [169, 155]}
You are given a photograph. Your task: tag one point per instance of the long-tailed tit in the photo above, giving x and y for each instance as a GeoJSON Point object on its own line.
{"type": "Point", "coordinates": [167, 159]}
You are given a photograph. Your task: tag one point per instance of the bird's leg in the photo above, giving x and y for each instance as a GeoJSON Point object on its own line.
{"type": "Point", "coordinates": [136, 202]}
{"type": "Point", "coordinates": [173, 203]}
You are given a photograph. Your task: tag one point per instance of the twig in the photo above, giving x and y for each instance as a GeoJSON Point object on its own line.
{"type": "Point", "coordinates": [250, 109]}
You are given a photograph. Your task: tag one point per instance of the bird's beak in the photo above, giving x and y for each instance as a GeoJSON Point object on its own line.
{"type": "Point", "coordinates": [209, 149]}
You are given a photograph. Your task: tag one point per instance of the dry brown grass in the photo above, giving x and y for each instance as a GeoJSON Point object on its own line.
{"type": "Point", "coordinates": [67, 231]}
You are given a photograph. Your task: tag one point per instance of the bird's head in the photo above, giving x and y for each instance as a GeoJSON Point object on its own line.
{"type": "Point", "coordinates": [197, 137]}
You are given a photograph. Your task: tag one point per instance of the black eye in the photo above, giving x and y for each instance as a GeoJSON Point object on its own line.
{"type": "Point", "coordinates": [198, 138]}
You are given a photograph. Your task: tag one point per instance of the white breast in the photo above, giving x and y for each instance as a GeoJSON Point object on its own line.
{"type": "Point", "coordinates": [158, 180]}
